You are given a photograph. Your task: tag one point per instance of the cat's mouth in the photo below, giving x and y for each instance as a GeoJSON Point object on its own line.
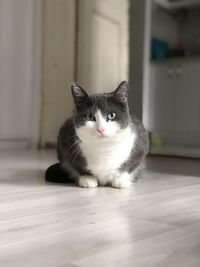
{"type": "Point", "coordinates": [101, 136]}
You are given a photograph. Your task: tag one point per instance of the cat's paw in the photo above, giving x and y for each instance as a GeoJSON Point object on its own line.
{"type": "Point", "coordinates": [87, 181]}
{"type": "Point", "coordinates": [123, 181]}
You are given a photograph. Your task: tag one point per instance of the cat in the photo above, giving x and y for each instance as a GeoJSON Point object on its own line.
{"type": "Point", "coordinates": [101, 144]}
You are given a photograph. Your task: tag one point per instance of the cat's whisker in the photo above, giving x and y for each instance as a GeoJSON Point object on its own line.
{"type": "Point", "coordinates": [74, 151]}
{"type": "Point", "coordinates": [77, 151]}
{"type": "Point", "coordinates": [75, 143]}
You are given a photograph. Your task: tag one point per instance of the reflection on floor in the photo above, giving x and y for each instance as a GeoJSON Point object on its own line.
{"type": "Point", "coordinates": [154, 223]}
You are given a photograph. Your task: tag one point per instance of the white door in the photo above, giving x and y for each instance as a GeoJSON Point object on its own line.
{"type": "Point", "coordinates": [18, 85]}
{"type": "Point", "coordinates": [161, 106]}
{"type": "Point", "coordinates": [187, 108]}
{"type": "Point", "coordinates": [102, 44]}
{"type": "Point", "coordinates": [187, 96]}
{"type": "Point", "coordinates": [174, 110]}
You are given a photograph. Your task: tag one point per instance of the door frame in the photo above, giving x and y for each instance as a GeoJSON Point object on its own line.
{"type": "Point", "coordinates": [58, 67]}
{"type": "Point", "coordinates": [139, 64]}
{"type": "Point", "coordinates": [36, 92]}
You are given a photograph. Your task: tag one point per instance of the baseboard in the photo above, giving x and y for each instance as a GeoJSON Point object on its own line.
{"type": "Point", "coordinates": [14, 144]}
{"type": "Point", "coordinates": [182, 151]}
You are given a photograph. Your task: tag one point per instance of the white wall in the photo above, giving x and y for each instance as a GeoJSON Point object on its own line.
{"type": "Point", "coordinates": [17, 70]}
{"type": "Point", "coordinates": [176, 28]}
{"type": "Point", "coordinates": [190, 30]}
{"type": "Point", "coordinates": [164, 26]}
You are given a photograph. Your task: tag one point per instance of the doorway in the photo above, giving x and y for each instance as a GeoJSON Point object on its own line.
{"type": "Point", "coordinates": [20, 72]}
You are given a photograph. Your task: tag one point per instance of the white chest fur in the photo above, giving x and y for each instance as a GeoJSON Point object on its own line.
{"type": "Point", "coordinates": [105, 156]}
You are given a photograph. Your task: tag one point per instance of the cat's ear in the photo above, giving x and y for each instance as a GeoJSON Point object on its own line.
{"type": "Point", "coordinates": [78, 94]}
{"type": "Point", "coordinates": [121, 93]}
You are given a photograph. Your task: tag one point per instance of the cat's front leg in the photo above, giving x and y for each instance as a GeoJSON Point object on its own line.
{"type": "Point", "coordinates": [122, 181]}
{"type": "Point", "coordinates": [87, 181]}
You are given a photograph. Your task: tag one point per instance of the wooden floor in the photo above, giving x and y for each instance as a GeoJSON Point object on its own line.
{"type": "Point", "coordinates": [154, 223]}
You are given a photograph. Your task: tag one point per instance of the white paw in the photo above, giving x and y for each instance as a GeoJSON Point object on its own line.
{"type": "Point", "coordinates": [87, 181]}
{"type": "Point", "coordinates": [121, 182]}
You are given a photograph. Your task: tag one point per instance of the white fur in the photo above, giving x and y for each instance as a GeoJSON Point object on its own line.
{"type": "Point", "coordinates": [104, 154]}
{"type": "Point", "coordinates": [87, 182]}
{"type": "Point", "coordinates": [123, 181]}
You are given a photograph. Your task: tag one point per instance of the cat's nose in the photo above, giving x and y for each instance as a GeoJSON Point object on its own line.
{"type": "Point", "coordinates": [101, 130]}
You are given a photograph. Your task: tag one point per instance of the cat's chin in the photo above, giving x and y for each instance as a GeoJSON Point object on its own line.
{"type": "Point", "coordinates": [104, 137]}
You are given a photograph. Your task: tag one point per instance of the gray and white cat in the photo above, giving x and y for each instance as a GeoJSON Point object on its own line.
{"type": "Point", "coordinates": [101, 144]}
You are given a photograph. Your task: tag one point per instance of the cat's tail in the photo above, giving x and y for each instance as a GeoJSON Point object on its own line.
{"type": "Point", "coordinates": [56, 174]}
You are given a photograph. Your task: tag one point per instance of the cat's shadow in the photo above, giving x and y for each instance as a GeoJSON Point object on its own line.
{"type": "Point", "coordinates": [28, 177]}
{"type": "Point", "coordinates": [31, 178]}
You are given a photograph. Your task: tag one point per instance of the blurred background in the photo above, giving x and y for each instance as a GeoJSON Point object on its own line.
{"type": "Point", "coordinates": [47, 44]}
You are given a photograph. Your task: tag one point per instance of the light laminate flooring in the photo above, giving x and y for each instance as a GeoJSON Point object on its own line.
{"type": "Point", "coordinates": [155, 223]}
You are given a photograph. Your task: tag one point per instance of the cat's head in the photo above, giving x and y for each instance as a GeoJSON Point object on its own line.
{"type": "Point", "coordinates": [101, 115]}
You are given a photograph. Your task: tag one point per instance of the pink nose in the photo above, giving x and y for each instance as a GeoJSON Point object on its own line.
{"type": "Point", "coordinates": [101, 130]}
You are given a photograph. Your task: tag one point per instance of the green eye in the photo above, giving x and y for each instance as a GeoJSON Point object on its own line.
{"type": "Point", "coordinates": [90, 117]}
{"type": "Point", "coordinates": [111, 116]}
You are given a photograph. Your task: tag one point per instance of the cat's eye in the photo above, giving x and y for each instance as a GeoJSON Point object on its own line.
{"type": "Point", "coordinates": [90, 117]}
{"type": "Point", "coordinates": [111, 116]}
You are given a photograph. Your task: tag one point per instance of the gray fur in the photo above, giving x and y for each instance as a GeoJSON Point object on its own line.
{"type": "Point", "coordinates": [68, 149]}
